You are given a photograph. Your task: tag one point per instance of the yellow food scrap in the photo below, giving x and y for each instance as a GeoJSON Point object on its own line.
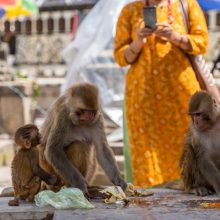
{"type": "Point", "coordinates": [211, 205]}
{"type": "Point", "coordinates": [113, 194]}
{"type": "Point", "coordinates": [131, 191]}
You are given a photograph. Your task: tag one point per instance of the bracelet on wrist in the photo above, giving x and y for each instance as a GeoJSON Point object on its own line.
{"type": "Point", "coordinates": [134, 52]}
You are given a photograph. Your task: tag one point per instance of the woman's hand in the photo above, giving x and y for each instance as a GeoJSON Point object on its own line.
{"type": "Point", "coordinates": [133, 51]}
{"type": "Point", "coordinates": [143, 32]}
{"type": "Point", "coordinates": [164, 30]}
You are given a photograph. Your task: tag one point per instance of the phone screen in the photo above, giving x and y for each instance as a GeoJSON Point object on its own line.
{"type": "Point", "coordinates": [150, 17]}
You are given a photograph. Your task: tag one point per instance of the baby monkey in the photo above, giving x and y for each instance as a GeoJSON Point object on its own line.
{"type": "Point", "coordinates": [26, 172]}
{"type": "Point", "coordinates": [200, 161]}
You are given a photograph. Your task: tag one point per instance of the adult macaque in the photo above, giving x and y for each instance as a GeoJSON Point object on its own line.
{"type": "Point", "coordinates": [200, 162]}
{"type": "Point", "coordinates": [26, 172]}
{"type": "Point", "coordinates": [73, 137]}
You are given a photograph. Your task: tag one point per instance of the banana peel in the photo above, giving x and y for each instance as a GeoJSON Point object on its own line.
{"type": "Point", "coordinates": [115, 193]}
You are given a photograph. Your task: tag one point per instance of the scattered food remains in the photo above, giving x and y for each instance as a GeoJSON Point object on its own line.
{"type": "Point", "coordinates": [134, 202]}
{"type": "Point", "coordinates": [205, 204]}
{"type": "Point", "coordinates": [131, 191]}
{"type": "Point", "coordinates": [210, 205]}
{"type": "Point", "coordinates": [115, 193]}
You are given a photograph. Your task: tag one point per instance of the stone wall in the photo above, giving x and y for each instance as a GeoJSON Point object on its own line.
{"type": "Point", "coordinates": [15, 106]}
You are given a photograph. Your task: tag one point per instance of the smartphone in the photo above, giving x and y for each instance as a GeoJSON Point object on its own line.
{"type": "Point", "coordinates": [150, 17]}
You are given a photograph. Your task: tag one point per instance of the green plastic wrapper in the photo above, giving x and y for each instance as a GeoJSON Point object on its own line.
{"type": "Point", "coordinates": [64, 199]}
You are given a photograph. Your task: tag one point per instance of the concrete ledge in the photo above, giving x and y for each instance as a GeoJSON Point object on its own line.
{"type": "Point", "coordinates": [163, 205]}
{"type": "Point", "coordinates": [24, 211]}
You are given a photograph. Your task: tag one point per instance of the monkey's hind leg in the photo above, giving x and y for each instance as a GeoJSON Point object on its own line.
{"type": "Point", "coordinates": [92, 166]}
{"type": "Point", "coordinates": [19, 195]}
{"type": "Point", "coordinates": [33, 191]}
{"type": "Point", "coordinates": [34, 187]}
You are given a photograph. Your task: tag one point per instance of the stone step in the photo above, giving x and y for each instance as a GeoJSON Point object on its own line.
{"type": "Point", "coordinates": [102, 179]}
{"type": "Point", "coordinates": [107, 53]}
{"type": "Point", "coordinates": [103, 67]}
{"type": "Point", "coordinates": [165, 204]}
{"type": "Point", "coordinates": [117, 148]}
{"type": "Point", "coordinates": [105, 56]}
{"type": "Point", "coordinates": [120, 163]}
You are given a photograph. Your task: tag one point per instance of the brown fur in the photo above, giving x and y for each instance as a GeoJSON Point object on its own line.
{"type": "Point", "coordinates": [26, 172]}
{"type": "Point", "coordinates": [200, 168]}
{"type": "Point", "coordinates": [77, 152]}
{"type": "Point", "coordinates": [73, 137]}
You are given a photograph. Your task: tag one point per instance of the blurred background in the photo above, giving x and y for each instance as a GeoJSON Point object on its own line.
{"type": "Point", "coordinates": [46, 45]}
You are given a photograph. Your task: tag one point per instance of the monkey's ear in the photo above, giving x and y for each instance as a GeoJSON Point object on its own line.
{"type": "Point", "coordinates": [27, 143]}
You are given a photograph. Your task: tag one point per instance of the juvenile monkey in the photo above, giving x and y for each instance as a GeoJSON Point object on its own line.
{"type": "Point", "coordinates": [26, 172]}
{"type": "Point", "coordinates": [200, 161]}
{"type": "Point", "coordinates": [73, 137]}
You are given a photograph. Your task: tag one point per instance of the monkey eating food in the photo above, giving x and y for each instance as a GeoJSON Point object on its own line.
{"type": "Point", "coordinates": [73, 137]}
{"type": "Point", "coordinates": [200, 161]}
{"type": "Point", "coordinates": [26, 172]}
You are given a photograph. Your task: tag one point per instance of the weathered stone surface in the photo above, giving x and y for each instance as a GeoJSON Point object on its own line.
{"type": "Point", "coordinates": [24, 211]}
{"type": "Point", "coordinates": [163, 205]}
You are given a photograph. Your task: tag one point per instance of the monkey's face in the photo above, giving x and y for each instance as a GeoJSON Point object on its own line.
{"type": "Point", "coordinates": [86, 116]}
{"type": "Point", "coordinates": [202, 121]}
{"type": "Point", "coordinates": [203, 110]}
{"type": "Point", "coordinates": [81, 114]}
{"type": "Point", "coordinates": [83, 105]}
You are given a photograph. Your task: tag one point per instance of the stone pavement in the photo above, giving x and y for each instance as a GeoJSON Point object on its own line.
{"type": "Point", "coordinates": [163, 205]}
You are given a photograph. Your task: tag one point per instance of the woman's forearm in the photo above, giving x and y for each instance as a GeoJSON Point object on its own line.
{"type": "Point", "coordinates": [133, 51]}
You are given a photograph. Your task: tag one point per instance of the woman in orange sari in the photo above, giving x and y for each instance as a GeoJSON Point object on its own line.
{"type": "Point", "coordinates": [159, 83]}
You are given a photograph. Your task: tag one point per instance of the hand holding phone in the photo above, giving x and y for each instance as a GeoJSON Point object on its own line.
{"type": "Point", "coordinates": [142, 31]}
{"type": "Point", "coordinates": [164, 30]}
{"type": "Point", "coordinates": [150, 17]}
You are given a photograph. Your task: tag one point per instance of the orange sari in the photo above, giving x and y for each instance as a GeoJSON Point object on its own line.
{"type": "Point", "coordinates": [158, 87]}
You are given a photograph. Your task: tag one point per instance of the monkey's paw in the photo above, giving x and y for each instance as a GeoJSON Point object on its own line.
{"type": "Point", "coordinates": [202, 191]}
{"type": "Point", "coordinates": [13, 203]}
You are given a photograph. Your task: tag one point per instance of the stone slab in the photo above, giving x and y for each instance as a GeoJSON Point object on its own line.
{"type": "Point", "coordinates": [25, 211]}
{"type": "Point", "coordinates": [163, 205]}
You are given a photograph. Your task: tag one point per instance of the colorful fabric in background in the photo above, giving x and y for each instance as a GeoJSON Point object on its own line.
{"type": "Point", "coordinates": [209, 4]}
{"type": "Point", "coordinates": [15, 8]}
